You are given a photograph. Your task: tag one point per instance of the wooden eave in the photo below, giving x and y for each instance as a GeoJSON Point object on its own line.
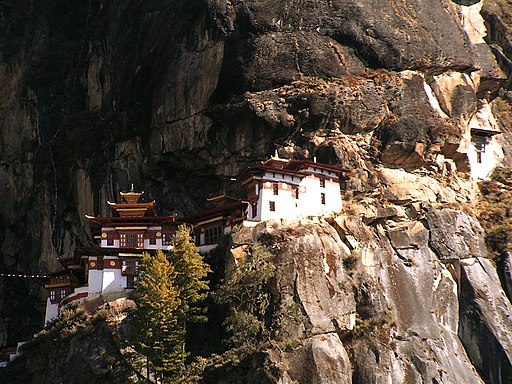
{"type": "Point", "coordinates": [484, 132]}
{"type": "Point", "coordinates": [58, 285]}
{"type": "Point", "coordinates": [131, 205]}
{"type": "Point", "coordinates": [304, 164]}
{"type": "Point", "coordinates": [96, 223]}
{"type": "Point", "coordinates": [131, 209]}
{"type": "Point", "coordinates": [222, 199]}
{"type": "Point", "coordinates": [276, 163]}
{"type": "Point", "coordinates": [143, 220]}
{"type": "Point", "coordinates": [221, 211]}
{"type": "Point", "coordinates": [250, 173]}
{"type": "Point", "coordinates": [131, 197]}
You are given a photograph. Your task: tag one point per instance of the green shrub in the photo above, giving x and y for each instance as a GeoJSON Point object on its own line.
{"type": "Point", "coordinates": [244, 328]}
{"type": "Point", "coordinates": [498, 239]}
{"type": "Point", "coordinates": [350, 262]}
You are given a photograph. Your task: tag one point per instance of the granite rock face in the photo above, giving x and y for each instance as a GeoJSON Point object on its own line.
{"type": "Point", "coordinates": [403, 313]}
{"type": "Point", "coordinates": [178, 97]}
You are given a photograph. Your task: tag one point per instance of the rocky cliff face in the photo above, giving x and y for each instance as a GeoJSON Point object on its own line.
{"type": "Point", "coordinates": [179, 97]}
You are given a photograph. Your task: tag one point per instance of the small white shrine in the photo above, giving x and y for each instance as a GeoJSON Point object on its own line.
{"type": "Point", "coordinates": [485, 152]}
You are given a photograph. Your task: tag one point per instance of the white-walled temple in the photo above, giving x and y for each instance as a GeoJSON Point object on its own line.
{"type": "Point", "coordinates": [289, 189]}
{"type": "Point", "coordinates": [211, 225]}
{"type": "Point", "coordinates": [110, 267]}
{"type": "Point", "coordinates": [484, 153]}
{"type": "Point", "coordinates": [276, 189]}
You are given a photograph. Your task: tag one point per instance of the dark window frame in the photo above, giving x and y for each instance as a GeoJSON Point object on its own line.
{"type": "Point", "coordinates": [212, 235]}
{"type": "Point", "coordinates": [131, 240]}
{"type": "Point", "coordinates": [166, 238]}
{"type": "Point", "coordinates": [110, 238]}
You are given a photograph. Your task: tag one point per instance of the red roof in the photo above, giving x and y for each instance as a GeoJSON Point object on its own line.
{"type": "Point", "coordinates": [291, 167]}
{"type": "Point", "coordinates": [133, 220]}
{"type": "Point", "coordinates": [216, 211]}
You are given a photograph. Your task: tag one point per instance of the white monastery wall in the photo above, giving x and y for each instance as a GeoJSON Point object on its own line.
{"type": "Point", "coordinates": [95, 281]}
{"type": "Point", "coordinates": [309, 202]}
{"type": "Point", "coordinates": [52, 311]}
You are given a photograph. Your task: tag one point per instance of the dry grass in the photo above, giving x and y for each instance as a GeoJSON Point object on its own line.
{"type": "Point", "coordinates": [495, 211]}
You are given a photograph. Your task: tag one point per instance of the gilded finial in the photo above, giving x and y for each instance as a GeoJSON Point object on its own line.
{"type": "Point", "coordinates": [133, 188]}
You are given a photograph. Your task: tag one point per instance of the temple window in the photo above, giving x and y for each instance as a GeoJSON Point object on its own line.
{"type": "Point", "coordinates": [295, 192]}
{"type": "Point", "coordinates": [322, 198]}
{"type": "Point", "coordinates": [62, 293]}
{"type": "Point", "coordinates": [272, 206]}
{"type": "Point", "coordinates": [132, 240]}
{"type": "Point", "coordinates": [479, 143]}
{"type": "Point", "coordinates": [251, 190]}
{"type": "Point", "coordinates": [254, 209]}
{"type": "Point", "coordinates": [166, 238]}
{"type": "Point", "coordinates": [53, 296]}
{"type": "Point", "coordinates": [275, 188]}
{"type": "Point", "coordinates": [110, 239]}
{"type": "Point", "coordinates": [129, 270]}
{"type": "Point", "coordinates": [213, 234]}
{"type": "Point", "coordinates": [322, 183]}
{"type": "Point", "coordinates": [130, 281]}
{"type": "Point", "coordinates": [152, 238]}
{"type": "Point", "coordinates": [129, 267]}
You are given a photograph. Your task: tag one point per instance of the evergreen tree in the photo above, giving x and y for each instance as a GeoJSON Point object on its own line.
{"type": "Point", "coordinates": [190, 273]}
{"type": "Point", "coordinates": [168, 291]}
{"type": "Point", "coordinates": [158, 330]}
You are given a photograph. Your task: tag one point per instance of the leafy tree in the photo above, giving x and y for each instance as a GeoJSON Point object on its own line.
{"type": "Point", "coordinates": [245, 290]}
{"type": "Point", "coordinates": [168, 291]}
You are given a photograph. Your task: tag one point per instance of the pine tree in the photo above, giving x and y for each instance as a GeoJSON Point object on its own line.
{"type": "Point", "coordinates": [158, 329]}
{"type": "Point", "coordinates": [191, 271]}
{"type": "Point", "coordinates": [168, 292]}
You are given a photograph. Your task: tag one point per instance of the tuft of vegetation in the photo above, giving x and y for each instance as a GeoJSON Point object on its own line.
{"type": "Point", "coordinates": [245, 291]}
{"type": "Point", "coordinates": [75, 339]}
{"type": "Point", "coordinates": [350, 262]}
{"type": "Point", "coordinates": [364, 327]}
{"type": "Point", "coordinates": [495, 211]}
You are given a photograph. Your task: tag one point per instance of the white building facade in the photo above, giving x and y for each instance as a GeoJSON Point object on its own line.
{"type": "Point", "coordinates": [484, 152]}
{"type": "Point", "coordinates": [289, 189]}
